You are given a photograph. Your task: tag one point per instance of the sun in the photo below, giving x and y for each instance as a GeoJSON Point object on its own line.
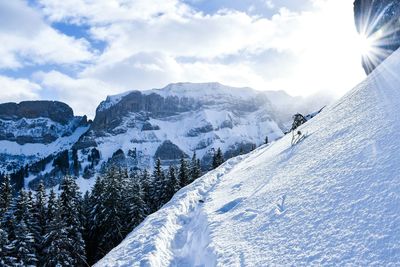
{"type": "Point", "coordinates": [365, 45]}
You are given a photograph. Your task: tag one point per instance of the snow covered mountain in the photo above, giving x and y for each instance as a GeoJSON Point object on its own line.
{"type": "Point", "coordinates": [332, 199]}
{"type": "Point", "coordinates": [135, 128]}
{"type": "Point", "coordinates": [138, 127]}
{"type": "Point", "coordinates": [32, 130]}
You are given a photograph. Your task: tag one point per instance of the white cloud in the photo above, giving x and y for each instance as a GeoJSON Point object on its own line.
{"type": "Point", "coordinates": [139, 71]}
{"type": "Point", "coordinates": [26, 39]}
{"type": "Point", "coordinates": [152, 43]}
{"type": "Point", "coordinates": [16, 90]}
{"type": "Point", "coordinates": [199, 36]}
{"type": "Point", "coordinates": [110, 11]}
{"type": "Point", "coordinates": [269, 4]}
{"type": "Point", "coordinates": [313, 39]}
{"type": "Point", "coordinates": [83, 95]}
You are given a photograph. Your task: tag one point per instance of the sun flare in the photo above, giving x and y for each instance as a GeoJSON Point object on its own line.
{"type": "Point", "coordinates": [365, 45]}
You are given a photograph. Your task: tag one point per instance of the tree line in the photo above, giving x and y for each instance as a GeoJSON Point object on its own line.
{"type": "Point", "coordinates": [68, 229]}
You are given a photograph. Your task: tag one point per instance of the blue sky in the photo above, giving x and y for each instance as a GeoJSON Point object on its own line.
{"type": "Point", "coordinates": [80, 51]}
{"type": "Point", "coordinates": [266, 8]}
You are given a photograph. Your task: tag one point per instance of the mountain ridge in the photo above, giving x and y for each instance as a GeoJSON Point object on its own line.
{"type": "Point", "coordinates": [178, 119]}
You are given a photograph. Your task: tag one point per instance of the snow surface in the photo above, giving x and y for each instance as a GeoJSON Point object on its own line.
{"type": "Point", "coordinates": [333, 199]}
{"type": "Point", "coordinates": [41, 150]}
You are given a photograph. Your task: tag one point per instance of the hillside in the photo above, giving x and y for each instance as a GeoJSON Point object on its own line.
{"type": "Point", "coordinates": [332, 199]}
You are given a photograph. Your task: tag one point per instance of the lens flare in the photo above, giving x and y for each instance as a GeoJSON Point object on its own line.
{"type": "Point", "coordinates": [365, 45]}
{"type": "Point", "coordinates": [379, 28]}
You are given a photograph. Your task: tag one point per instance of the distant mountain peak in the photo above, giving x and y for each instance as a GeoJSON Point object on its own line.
{"type": "Point", "coordinates": [187, 89]}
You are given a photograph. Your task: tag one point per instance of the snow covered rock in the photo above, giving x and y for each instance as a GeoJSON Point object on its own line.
{"type": "Point", "coordinates": [333, 199]}
{"type": "Point", "coordinates": [32, 130]}
{"type": "Point", "coordinates": [178, 120]}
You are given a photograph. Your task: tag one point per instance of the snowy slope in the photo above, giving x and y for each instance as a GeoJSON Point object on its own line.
{"type": "Point", "coordinates": [332, 199]}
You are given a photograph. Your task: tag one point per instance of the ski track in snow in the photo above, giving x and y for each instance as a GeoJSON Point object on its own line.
{"type": "Point", "coordinates": [331, 200]}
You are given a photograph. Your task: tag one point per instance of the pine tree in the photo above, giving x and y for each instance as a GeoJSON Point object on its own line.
{"type": "Point", "coordinates": [3, 245]}
{"type": "Point", "coordinates": [51, 207]}
{"type": "Point", "coordinates": [8, 222]}
{"type": "Point", "coordinates": [39, 216]}
{"type": "Point", "coordinates": [5, 258]}
{"type": "Point", "coordinates": [172, 183]}
{"type": "Point", "coordinates": [183, 175]}
{"type": "Point", "coordinates": [146, 188]}
{"type": "Point", "coordinates": [111, 216]}
{"type": "Point", "coordinates": [266, 140]}
{"type": "Point", "coordinates": [31, 222]}
{"type": "Point", "coordinates": [24, 245]}
{"type": "Point", "coordinates": [57, 245]}
{"type": "Point", "coordinates": [198, 163]}
{"type": "Point", "coordinates": [85, 214]}
{"type": "Point", "coordinates": [157, 187]}
{"type": "Point", "coordinates": [62, 162]}
{"type": "Point", "coordinates": [136, 206]}
{"type": "Point", "coordinates": [95, 211]}
{"type": "Point", "coordinates": [9, 228]}
{"type": "Point", "coordinates": [195, 170]}
{"type": "Point", "coordinates": [5, 196]}
{"type": "Point", "coordinates": [127, 183]}
{"type": "Point", "coordinates": [69, 212]}
{"type": "Point", "coordinates": [22, 209]}
{"type": "Point", "coordinates": [17, 179]}
{"type": "Point", "coordinates": [218, 158]}
{"type": "Point", "coordinates": [75, 162]}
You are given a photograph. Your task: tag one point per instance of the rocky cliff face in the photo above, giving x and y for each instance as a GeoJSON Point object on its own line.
{"type": "Point", "coordinates": [32, 130]}
{"type": "Point", "coordinates": [40, 122]}
{"type": "Point", "coordinates": [53, 110]}
{"type": "Point", "coordinates": [379, 21]}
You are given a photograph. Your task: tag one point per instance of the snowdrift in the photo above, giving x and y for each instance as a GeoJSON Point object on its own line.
{"type": "Point", "coordinates": [332, 199]}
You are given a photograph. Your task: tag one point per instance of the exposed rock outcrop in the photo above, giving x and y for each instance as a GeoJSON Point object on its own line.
{"type": "Point", "coordinates": [54, 110]}
{"type": "Point", "coordinates": [169, 151]}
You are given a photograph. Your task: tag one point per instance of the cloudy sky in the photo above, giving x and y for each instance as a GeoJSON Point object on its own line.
{"type": "Point", "coordinates": [80, 51]}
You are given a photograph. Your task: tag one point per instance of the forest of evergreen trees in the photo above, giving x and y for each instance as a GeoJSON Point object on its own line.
{"type": "Point", "coordinates": [68, 229]}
